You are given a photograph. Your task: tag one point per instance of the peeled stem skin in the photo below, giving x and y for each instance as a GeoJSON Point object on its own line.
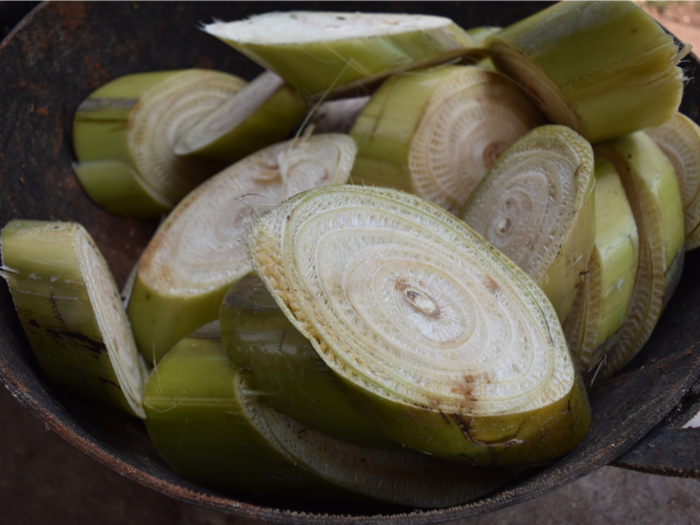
{"type": "Point", "coordinates": [285, 370]}
{"type": "Point", "coordinates": [405, 353]}
{"type": "Point", "coordinates": [654, 195]}
{"type": "Point", "coordinates": [50, 290]}
{"type": "Point", "coordinates": [605, 69]}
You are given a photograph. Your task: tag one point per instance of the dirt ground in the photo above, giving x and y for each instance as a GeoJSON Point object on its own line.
{"type": "Point", "coordinates": [680, 18]}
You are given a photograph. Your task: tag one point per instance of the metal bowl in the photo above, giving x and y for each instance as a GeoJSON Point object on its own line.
{"type": "Point", "coordinates": [61, 52]}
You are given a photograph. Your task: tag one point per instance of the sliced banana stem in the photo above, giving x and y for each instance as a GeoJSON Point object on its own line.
{"type": "Point", "coordinates": [285, 370]}
{"type": "Point", "coordinates": [261, 114]}
{"type": "Point", "coordinates": [679, 139]}
{"type": "Point", "coordinates": [450, 347]}
{"type": "Point", "coordinates": [654, 195]}
{"type": "Point", "coordinates": [338, 116]}
{"type": "Point", "coordinates": [604, 69]}
{"type": "Point", "coordinates": [537, 206]}
{"type": "Point", "coordinates": [119, 189]}
{"type": "Point", "coordinates": [435, 132]}
{"type": "Point", "coordinates": [327, 53]}
{"type": "Point", "coordinates": [199, 251]}
{"type": "Point", "coordinates": [132, 125]}
{"type": "Point", "coordinates": [70, 309]}
{"type": "Point", "coordinates": [213, 428]}
{"type": "Point", "coordinates": [594, 324]}
{"type": "Point", "coordinates": [481, 33]}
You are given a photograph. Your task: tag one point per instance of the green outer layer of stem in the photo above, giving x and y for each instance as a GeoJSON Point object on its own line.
{"type": "Point", "coordinates": [116, 187]}
{"type": "Point", "coordinates": [654, 196]}
{"type": "Point", "coordinates": [52, 300]}
{"type": "Point", "coordinates": [603, 68]}
{"type": "Point", "coordinates": [199, 422]}
{"type": "Point", "coordinates": [343, 66]}
{"type": "Point", "coordinates": [286, 371]}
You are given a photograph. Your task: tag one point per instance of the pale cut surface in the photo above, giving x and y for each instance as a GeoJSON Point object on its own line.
{"type": "Point", "coordinates": [303, 27]}
{"type": "Point", "coordinates": [400, 298]}
{"type": "Point", "coordinates": [201, 244]}
{"type": "Point", "coordinates": [470, 120]}
{"type": "Point", "coordinates": [161, 118]}
{"type": "Point", "coordinates": [112, 321]}
{"type": "Point", "coordinates": [231, 113]}
{"type": "Point", "coordinates": [524, 207]}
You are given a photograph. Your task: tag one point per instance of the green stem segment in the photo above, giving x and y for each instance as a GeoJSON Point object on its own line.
{"type": "Point", "coordinates": [70, 309]}
{"type": "Point", "coordinates": [285, 370]}
{"type": "Point", "coordinates": [654, 195]}
{"type": "Point", "coordinates": [594, 324]}
{"type": "Point", "coordinates": [604, 69]}
{"type": "Point", "coordinates": [679, 139]}
{"type": "Point", "coordinates": [452, 347]}
{"type": "Point", "coordinates": [435, 132]}
{"type": "Point", "coordinates": [322, 53]}
{"type": "Point", "coordinates": [198, 252]}
{"type": "Point", "coordinates": [212, 428]}
{"type": "Point", "coordinates": [262, 113]}
{"type": "Point", "coordinates": [124, 134]}
{"type": "Point", "coordinates": [537, 206]}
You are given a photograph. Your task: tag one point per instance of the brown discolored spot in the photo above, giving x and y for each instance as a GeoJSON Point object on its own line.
{"type": "Point", "coordinates": [417, 299]}
{"type": "Point", "coordinates": [34, 323]}
{"type": "Point", "coordinates": [491, 285]}
{"type": "Point", "coordinates": [53, 333]}
{"type": "Point", "coordinates": [54, 308]}
{"type": "Point", "coordinates": [492, 152]}
{"type": "Point", "coordinates": [504, 225]}
{"type": "Point", "coordinates": [90, 344]}
{"type": "Point", "coordinates": [466, 388]}
{"type": "Point", "coordinates": [105, 381]}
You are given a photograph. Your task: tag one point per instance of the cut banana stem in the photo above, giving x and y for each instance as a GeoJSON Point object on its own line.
{"type": "Point", "coordinates": [327, 53]}
{"type": "Point", "coordinates": [654, 195]}
{"type": "Point", "coordinates": [604, 69]}
{"type": "Point", "coordinates": [679, 139]}
{"type": "Point", "coordinates": [118, 188]}
{"type": "Point", "coordinates": [199, 251]}
{"type": "Point", "coordinates": [212, 428]}
{"type": "Point", "coordinates": [436, 131]}
{"type": "Point", "coordinates": [537, 206]}
{"type": "Point", "coordinates": [449, 346]}
{"type": "Point", "coordinates": [338, 116]}
{"type": "Point", "coordinates": [594, 324]}
{"type": "Point", "coordinates": [132, 124]}
{"type": "Point", "coordinates": [285, 370]}
{"type": "Point", "coordinates": [481, 33]}
{"type": "Point", "coordinates": [71, 311]}
{"type": "Point", "coordinates": [261, 114]}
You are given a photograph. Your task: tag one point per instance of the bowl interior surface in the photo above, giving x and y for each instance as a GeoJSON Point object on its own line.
{"type": "Point", "coordinates": [63, 51]}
